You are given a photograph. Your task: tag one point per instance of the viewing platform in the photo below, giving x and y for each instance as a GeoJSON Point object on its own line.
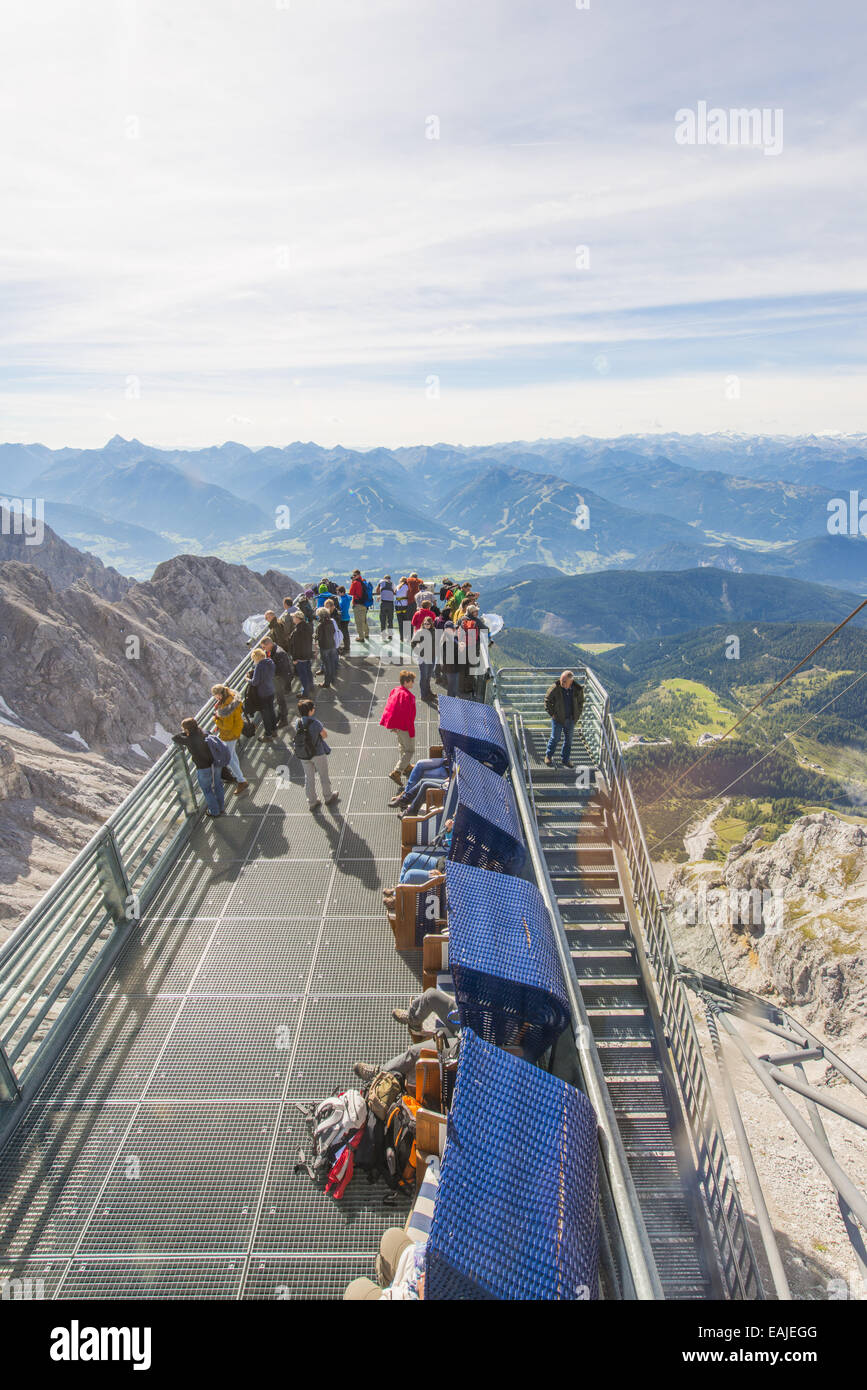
{"type": "Point", "coordinates": [189, 987]}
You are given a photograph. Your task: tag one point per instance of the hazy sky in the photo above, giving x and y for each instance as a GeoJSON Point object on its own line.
{"type": "Point", "coordinates": [227, 220]}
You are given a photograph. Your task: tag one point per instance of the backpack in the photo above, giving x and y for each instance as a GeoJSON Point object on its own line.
{"type": "Point", "coordinates": [382, 1092]}
{"type": "Point", "coordinates": [343, 1167]}
{"type": "Point", "coordinates": [400, 1156]}
{"type": "Point", "coordinates": [302, 745]}
{"type": "Point", "coordinates": [335, 1121]}
{"type": "Point", "coordinates": [220, 754]}
{"type": "Point", "coordinates": [367, 588]}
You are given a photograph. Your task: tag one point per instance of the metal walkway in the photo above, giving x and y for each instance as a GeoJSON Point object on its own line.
{"type": "Point", "coordinates": [157, 1157]}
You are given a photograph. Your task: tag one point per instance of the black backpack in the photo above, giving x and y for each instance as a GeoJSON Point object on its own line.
{"type": "Point", "coordinates": [304, 749]}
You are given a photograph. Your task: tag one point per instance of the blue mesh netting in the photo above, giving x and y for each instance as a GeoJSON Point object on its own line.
{"type": "Point", "coordinates": [516, 1208]}
{"type": "Point", "coordinates": [502, 955]}
{"type": "Point", "coordinates": [474, 728]}
{"type": "Point", "coordinates": [487, 831]}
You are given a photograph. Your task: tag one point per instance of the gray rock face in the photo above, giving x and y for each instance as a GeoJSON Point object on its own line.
{"type": "Point", "coordinates": [201, 602]}
{"type": "Point", "coordinates": [83, 678]}
{"type": "Point", "coordinates": [73, 662]}
{"type": "Point", "coordinates": [789, 919]}
{"type": "Point", "coordinates": [62, 563]}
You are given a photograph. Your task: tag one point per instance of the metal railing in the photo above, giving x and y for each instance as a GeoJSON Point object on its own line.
{"type": "Point", "coordinates": [735, 1256]}
{"type": "Point", "coordinates": [626, 1244]}
{"type": "Point", "coordinates": [737, 1262]}
{"type": "Point", "coordinates": [537, 683]}
{"type": "Point", "coordinates": [52, 964]}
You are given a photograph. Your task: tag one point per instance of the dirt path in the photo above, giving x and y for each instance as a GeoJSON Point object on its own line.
{"type": "Point", "coordinates": [696, 842]}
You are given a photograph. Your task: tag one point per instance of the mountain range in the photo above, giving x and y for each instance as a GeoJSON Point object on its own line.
{"type": "Point", "coordinates": [658, 502]}
{"type": "Point", "coordinates": [630, 606]}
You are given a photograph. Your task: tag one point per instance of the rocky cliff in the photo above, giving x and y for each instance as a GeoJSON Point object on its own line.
{"type": "Point", "coordinates": [83, 670]}
{"type": "Point", "coordinates": [789, 920]}
{"type": "Point", "coordinates": [89, 685]}
{"type": "Point", "coordinates": [60, 562]}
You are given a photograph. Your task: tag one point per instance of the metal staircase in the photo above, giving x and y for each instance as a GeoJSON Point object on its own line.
{"type": "Point", "coordinates": [578, 839]}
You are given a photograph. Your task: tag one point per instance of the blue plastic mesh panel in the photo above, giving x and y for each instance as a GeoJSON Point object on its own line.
{"type": "Point", "coordinates": [474, 728]}
{"type": "Point", "coordinates": [508, 979]}
{"type": "Point", "coordinates": [516, 1210]}
{"type": "Point", "coordinates": [487, 831]}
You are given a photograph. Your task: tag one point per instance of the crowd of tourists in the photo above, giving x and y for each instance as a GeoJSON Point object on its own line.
{"type": "Point", "coordinates": [437, 631]}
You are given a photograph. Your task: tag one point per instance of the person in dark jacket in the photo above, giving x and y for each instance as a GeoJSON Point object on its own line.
{"type": "Point", "coordinates": [564, 703]}
{"type": "Point", "coordinates": [193, 740]}
{"type": "Point", "coordinates": [451, 656]}
{"type": "Point", "coordinates": [327, 648]}
{"type": "Point", "coordinates": [262, 686]}
{"type": "Point", "coordinates": [301, 652]}
{"type": "Point", "coordinates": [385, 590]}
{"type": "Point", "coordinates": [282, 679]}
{"type": "Point", "coordinates": [277, 630]}
{"type": "Point", "coordinates": [333, 610]}
{"type": "Point", "coordinates": [424, 650]}
{"type": "Point", "coordinates": [304, 604]}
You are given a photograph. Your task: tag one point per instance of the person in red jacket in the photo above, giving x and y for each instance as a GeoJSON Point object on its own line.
{"type": "Point", "coordinates": [424, 610]}
{"type": "Point", "coordinates": [359, 607]}
{"type": "Point", "coordinates": [399, 717]}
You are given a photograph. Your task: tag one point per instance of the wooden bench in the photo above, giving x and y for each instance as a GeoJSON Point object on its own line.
{"type": "Point", "coordinates": [430, 1119]}
{"type": "Point", "coordinates": [435, 957]}
{"type": "Point", "coordinates": [402, 919]}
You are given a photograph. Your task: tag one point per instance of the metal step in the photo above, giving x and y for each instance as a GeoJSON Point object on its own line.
{"type": "Point", "coordinates": [584, 854]}
{"type": "Point", "coordinates": [612, 994]}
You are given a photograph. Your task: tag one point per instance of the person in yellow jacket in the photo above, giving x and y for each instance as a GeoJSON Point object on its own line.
{"type": "Point", "coordinates": [229, 719]}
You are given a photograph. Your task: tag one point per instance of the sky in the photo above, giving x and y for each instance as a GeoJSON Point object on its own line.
{"type": "Point", "coordinates": [420, 220]}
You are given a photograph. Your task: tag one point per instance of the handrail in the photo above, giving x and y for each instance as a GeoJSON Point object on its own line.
{"type": "Point", "coordinates": [639, 1261]}
{"type": "Point", "coordinates": [525, 759]}
{"type": "Point", "coordinates": [737, 1261]}
{"type": "Point", "coordinates": [52, 963]}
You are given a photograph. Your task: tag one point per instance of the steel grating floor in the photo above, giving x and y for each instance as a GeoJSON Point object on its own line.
{"type": "Point", "coordinates": [157, 1160]}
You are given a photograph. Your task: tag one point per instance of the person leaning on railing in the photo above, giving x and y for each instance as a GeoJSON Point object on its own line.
{"type": "Point", "coordinates": [193, 739]}
{"type": "Point", "coordinates": [229, 719]}
{"type": "Point", "coordinates": [262, 688]}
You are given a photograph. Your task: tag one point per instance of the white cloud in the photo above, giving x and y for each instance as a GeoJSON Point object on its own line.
{"type": "Point", "coordinates": [259, 129]}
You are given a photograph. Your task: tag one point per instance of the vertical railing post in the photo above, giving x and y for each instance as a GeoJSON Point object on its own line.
{"type": "Point", "coordinates": [184, 781]}
{"type": "Point", "coordinates": [8, 1084]}
{"type": "Point", "coordinates": [112, 878]}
